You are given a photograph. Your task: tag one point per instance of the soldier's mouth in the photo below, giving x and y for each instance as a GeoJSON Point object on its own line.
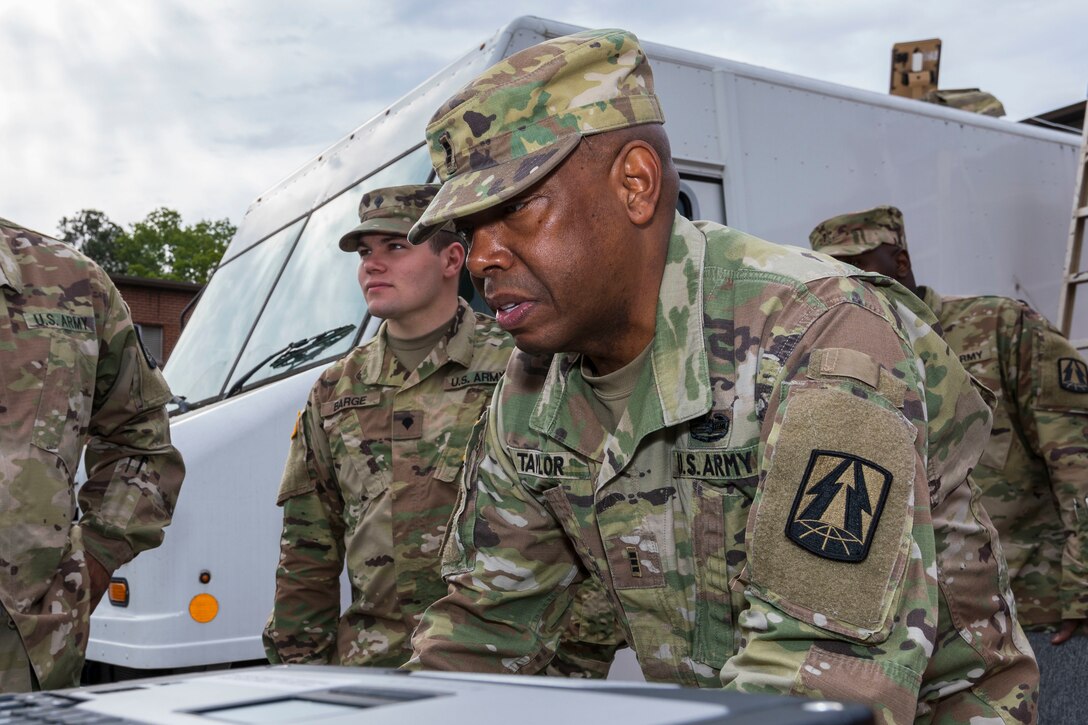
{"type": "Point", "coordinates": [512, 314]}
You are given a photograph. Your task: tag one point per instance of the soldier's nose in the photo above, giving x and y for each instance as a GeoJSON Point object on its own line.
{"type": "Point", "coordinates": [488, 253]}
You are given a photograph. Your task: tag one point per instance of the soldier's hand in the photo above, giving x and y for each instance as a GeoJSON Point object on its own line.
{"type": "Point", "coordinates": [1068, 629]}
{"type": "Point", "coordinates": [100, 580]}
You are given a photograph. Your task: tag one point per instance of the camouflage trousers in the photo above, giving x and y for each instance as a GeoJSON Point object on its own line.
{"type": "Point", "coordinates": [15, 671]}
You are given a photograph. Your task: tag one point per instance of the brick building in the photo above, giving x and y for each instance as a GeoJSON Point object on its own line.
{"type": "Point", "coordinates": [156, 306]}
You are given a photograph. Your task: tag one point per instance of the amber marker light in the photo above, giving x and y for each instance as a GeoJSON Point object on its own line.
{"type": "Point", "coordinates": [118, 592]}
{"type": "Point", "coordinates": [203, 608]}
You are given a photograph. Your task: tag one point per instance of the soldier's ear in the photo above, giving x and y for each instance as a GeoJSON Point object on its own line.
{"type": "Point", "coordinates": [453, 258]}
{"type": "Point", "coordinates": [902, 264]}
{"type": "Point", "coordinates": [636, 177]}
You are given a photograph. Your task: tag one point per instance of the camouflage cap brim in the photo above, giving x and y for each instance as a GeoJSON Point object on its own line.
{"type": "Point", "coordinates": [474, 191]}
{"type": "Point", "coordinates": [384, 225]}
{"type": "Point", "coordinates": [848, 250]}
{"type": "Point", "coordinates": [861, 231]}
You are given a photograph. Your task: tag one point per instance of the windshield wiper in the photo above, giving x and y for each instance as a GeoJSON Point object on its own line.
{"type": "Point", "coordinates": [295, 353]}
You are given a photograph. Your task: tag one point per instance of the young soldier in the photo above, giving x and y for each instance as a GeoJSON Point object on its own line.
{"type": "Point", "coordinates": [1034, 471]}
{"type": "Point", "coordinates": [371, 474]}
{"type": "Point", "coordinates": [74, 374]}
{"type": "Point", "coordinates": [741, 441]}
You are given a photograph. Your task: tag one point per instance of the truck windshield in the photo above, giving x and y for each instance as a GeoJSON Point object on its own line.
{"type": "Point", "coordinates": [294, 284]}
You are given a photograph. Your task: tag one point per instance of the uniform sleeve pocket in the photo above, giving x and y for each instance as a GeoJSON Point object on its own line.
{"type": "Point", "coordinates": [65, 403]}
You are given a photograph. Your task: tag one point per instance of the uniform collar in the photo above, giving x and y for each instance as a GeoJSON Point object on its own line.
{"type": "Point", "coordinates": [456, 345]}
{"type": "Point", "coordinates": [10, 274]}
{"type": "Point", "coordinates": [932, 299]}
{"type": "Point", "coordinates": [674, 385]}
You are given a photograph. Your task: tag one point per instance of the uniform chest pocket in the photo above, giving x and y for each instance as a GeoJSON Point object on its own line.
{"type": "Point", "coordinates": [996, 452]}
{"type": "Point", "coordinates": [720, 484]}
{"type": "Point", "coordinates": [64, 404]}
{"type": "Point", "coordinates": [719, 516]}
{"type": "Point", "coordinates": [452, 423]}
{"type": "Point", "coordinates": [360, 443]}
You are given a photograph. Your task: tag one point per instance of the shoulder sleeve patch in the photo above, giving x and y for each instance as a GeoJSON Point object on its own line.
{"type": "Point", "coordinates": [1073, 375]}
{"type": "Point", "coordinates": [1062, 374]}
{"type": "Point", "coordinates": [296, 478]}
{"type": "Point", "coordinates": [832, 524]}
{"type": "Point", "coordinates": [838, 505]}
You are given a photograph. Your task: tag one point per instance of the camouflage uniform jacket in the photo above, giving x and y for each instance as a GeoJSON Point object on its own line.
{"type": "Point", "coordinates": [783, 508]}
{"type": "Point", "coordinates": [74, 373]}
{"type": "Point", "coordinates": [371, 478]}
{"type": "Point", "coordinates": [1034, 471]}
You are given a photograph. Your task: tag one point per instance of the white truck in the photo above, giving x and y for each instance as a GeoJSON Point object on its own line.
{"type": "Point", "coordinates": [987, 205]}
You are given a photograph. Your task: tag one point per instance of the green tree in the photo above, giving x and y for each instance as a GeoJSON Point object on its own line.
{"type": "Point", "coordinates": [160, 246]}
{"type": "Point", "coordinates": [92, 232]}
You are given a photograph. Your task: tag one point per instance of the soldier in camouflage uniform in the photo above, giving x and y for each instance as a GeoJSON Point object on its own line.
{"type": "Point", "coordinates": [371, 474]}
{"type": "Point", "coordinates": [74, 373]}
{"type": "Point", "coordinates": [1034, 470]}
{"type": "Point", "coordinates": [761, 453]}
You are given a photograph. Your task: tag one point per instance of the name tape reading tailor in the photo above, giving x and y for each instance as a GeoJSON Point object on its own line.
{"type": "Point", "coordinates": [551, 464]}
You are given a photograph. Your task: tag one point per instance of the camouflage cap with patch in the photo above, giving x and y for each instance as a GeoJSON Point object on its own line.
{"type": "Point", "coordinates": [390, 210]}
{"type": "Point", "coordinates": [516, 122]}
{"type": "Point", "coordinates": [858, 232]}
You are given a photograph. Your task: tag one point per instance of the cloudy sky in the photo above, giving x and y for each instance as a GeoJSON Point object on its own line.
{"type": "Point", "coordinates": [201, 105]}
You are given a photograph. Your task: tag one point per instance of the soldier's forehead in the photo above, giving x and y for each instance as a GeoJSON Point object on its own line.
{"type": "Point", "coordinates": [375, 238]}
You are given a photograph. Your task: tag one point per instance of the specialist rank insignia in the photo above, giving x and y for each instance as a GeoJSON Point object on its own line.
{"type": "Point", "coordinates": [1072, 375]}
{"type": "Point", "coordinates": [838, 506]}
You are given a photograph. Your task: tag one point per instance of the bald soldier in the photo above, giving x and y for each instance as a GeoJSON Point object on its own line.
{"type": "Point", "coordinates": [370, 477]}
{"type": "Point", "coordinates": [1034, 471]}
{"type": "Point", "coordinates": [74, 375]}
{"type": "Point", "coordinates": [761, 455]}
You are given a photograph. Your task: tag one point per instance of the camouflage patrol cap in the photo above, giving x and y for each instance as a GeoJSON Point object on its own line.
{"type": "Point", "coordinates": [860, 231]}
{"type": "Point", "coordinates": [389, 210]}
{"type": "Point", "coordinates": [515, 123]}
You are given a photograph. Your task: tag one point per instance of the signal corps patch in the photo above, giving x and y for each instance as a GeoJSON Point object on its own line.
{"type": "Point", "coordinates": [838, 506]}
{"type": "Point", "coordinates": [1072, 375]}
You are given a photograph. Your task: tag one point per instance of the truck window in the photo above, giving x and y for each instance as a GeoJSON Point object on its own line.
{"type": "Point", "coordinates": [251, 308]}
{"type": "Point", "coordinates": [319, 290]}
{"type": "Point", "coordinates": [218, 327]}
